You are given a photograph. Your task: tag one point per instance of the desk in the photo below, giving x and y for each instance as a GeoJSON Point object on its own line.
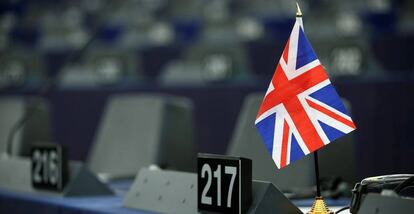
{"type": "Point", "coordinates": [12, 202]}
{"type": "Point", "coordinates": [16, 202]}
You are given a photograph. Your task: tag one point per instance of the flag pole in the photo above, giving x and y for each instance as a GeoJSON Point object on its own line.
{"type": "Point", "coordinates": [318, 185]}
{"type": "Point", "coordinates": [298, 11]}
{"type": "Point", "coordinates": [319, 206]}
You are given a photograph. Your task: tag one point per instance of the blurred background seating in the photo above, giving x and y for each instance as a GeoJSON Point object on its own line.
{"type": "Point", "coordinates": [166, 28]}
{"type": "Point", "coordinates": [214, 53]}
{"type": "Point", "coordinates": [103, 67]}
{"type": "Point", "coordinates": [19, 68]}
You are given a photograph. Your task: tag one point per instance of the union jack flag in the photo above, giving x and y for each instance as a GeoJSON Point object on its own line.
{"type": "Point", "coordinates": [301, 111]}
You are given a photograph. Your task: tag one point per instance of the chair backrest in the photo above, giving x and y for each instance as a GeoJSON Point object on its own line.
{"type": "Point", "coordinates": [219, 60]}
{"type": "Point", "coordinates": [208, 61]}
{"type": "Point", "coordinates": [18, 67]}
{"type": "Point", "coordinates": [140, 130]}
{"type": "Point", "coordinates": [345, 57]}
{"type": "Point", "coordinates": [126, 61]}
{"type": "Point", "coordinates": [102, 66]}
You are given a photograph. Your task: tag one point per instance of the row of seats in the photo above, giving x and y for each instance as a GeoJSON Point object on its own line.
{"type": "Point", "coordinates": [196, 42]}
{"type": "Point", "coordinates": [141, 130]}
{"type": "Point", "coordinates": [206, 61]}
{"type": "Point", "coordinates": [33, 21]}
{"type": "Point", "coordinates": [186, 31]}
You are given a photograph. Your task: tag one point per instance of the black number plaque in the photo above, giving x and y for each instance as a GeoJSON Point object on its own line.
{"type": "Point", "coordinates": [224, 184]}
{"type": "Point", "coordinates": [48, 167]}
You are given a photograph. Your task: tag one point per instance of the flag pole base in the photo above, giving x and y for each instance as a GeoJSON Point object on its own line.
{"type": "Point", "coordinates": [319, 207]}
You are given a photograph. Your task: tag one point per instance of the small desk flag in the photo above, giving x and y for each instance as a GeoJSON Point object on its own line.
{"type": "Point", "coordinates": [301, 111]}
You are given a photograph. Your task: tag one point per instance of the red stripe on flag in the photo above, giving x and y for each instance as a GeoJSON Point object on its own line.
{"type": "Point", "coordinates": [331, 114]}
{"type": "Point", "coordinates": [283, 156]}
{"type": "Point", "coordinates": [288, 89]}
{"type": "Point", "coordinates": [309, 79]}
{"type": "Point", "coordinates": [304, 125]}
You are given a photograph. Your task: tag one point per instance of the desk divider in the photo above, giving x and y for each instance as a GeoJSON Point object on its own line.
{"type": "Point", "coordinates": [176, 192]}
{"type": "Point", "coordinates": [15, 176]}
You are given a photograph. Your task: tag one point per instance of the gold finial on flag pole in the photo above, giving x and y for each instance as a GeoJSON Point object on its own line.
{"type": "Point", "coordinates": [298, 11]}
{"type": "Point", "coordinates": [319, 207]}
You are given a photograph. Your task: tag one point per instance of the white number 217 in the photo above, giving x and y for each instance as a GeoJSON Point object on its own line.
{"type": "Point", "coordinates": [206, 169]}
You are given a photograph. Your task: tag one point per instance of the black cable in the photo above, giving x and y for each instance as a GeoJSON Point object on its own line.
{"type": "Point", "coordinates": [342, 209]}
{"type": "Point", "coordinates": [404, 184]}
{"type": "Point", "coordinates": [52, 82]}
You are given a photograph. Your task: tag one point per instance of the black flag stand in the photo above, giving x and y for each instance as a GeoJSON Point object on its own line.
{"type": "Point", "coordinates": [319, 205]}
{"type": "Point", "coordinates": [318, 184]}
